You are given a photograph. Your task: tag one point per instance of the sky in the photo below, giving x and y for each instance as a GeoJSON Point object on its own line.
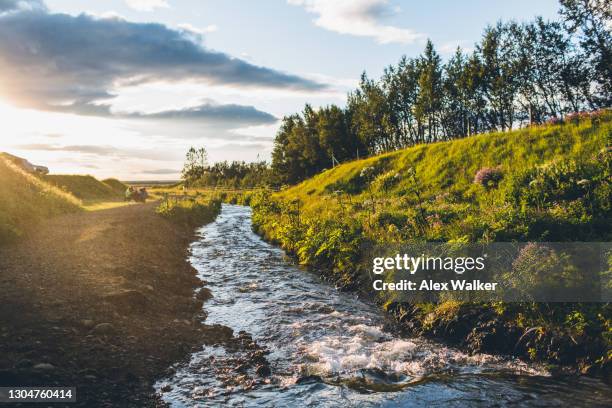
{"type": "Point", "coordinates": [122, 88]}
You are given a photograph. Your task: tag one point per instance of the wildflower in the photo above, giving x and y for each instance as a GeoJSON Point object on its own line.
{"type": "Point", "coordinates": [583, 182]}
{"type": "Point", "coordinates": [488, 177]}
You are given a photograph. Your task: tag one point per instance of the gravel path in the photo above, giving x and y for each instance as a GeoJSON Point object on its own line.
{"type": "Point", "coordinates": [98, 300]}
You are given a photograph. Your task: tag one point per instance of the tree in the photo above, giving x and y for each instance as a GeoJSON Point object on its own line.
{"type": "Point", "coordinates": [501, 64]}
{"type": "Point", "coordinates": [454, 118]}
{"type": "Point", "coordinates": [195, 165]}
{"type": "Point", "coordinates": [335, 137]}
{"type": "Point", "coordinates": [368, 106]}
{"type": "Point", "coordinates": [286, 155]}
{"type": "Point", "coordinates": [429, 100]}
{"type": "Point", "coordinates": [401, 87]}
{"type": "Point", "coordinates": [591, 18]}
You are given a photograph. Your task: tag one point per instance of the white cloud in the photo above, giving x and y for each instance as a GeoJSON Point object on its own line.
{"type": "Point", "coordinates": [147, 5]}
{"type": "Point", "coordinates": [359, 18]}
{"type": "Point", "coordinates": [201, 31]}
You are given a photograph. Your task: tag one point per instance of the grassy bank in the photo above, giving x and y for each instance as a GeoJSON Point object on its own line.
{"type": "Point", "coordinates": [547, 183]}
{"type": "Point", "coordinates": [25, 199]}
{"type": "Point", "coordinates": [190, 211]}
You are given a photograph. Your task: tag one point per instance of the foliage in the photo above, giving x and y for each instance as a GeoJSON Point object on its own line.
{"type": "Point", "coordinates": [237, 174]}
{"type": "Point", "coordinates": [190, 211]}
{"type": "Point", "coordinates": [196, 161]}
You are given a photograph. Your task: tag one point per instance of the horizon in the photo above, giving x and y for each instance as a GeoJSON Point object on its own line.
{"type": "Point", "coordinates": [175, 74]}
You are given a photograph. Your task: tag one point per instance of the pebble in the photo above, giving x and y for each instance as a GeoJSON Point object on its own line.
{"type": "Point", "coordinates": [103, 328]}
{"type": "Point", "coordinates": [24, 363]}
{"type": "Point", "coordinates": [44, 367]}
{"type": "Point", "coordinates": [88, 324]}
{"type": "Point", "coordinates": [263, 370]}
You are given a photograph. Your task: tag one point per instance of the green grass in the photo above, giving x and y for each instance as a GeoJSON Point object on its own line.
{"type": "Point", "coordinates": [451, 166]}
{"type": "Point", "coordinates": [191, 211]}
{"type": "Point", "coordinates": [26, 199]}
{"type": "Point", "coordinates": [85, 187]}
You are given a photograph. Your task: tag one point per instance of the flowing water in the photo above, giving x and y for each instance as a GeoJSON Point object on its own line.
{"type": "Point", "coordinates": [330, 349]}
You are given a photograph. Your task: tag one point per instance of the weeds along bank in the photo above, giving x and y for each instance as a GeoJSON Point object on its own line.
{"type": "Point", "coordinates": [548, 183]}
{"type": "Point", "coordinates": [190, 211]}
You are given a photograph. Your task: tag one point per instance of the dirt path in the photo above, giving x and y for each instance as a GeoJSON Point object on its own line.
{"type": "Point", "coordinates": [98, 300]}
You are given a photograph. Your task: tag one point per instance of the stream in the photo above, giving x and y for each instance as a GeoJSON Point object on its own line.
{"type": "Point", "coordinates": [325, 348]}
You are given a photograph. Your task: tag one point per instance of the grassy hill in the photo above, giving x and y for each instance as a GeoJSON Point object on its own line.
{"type": "Point", "coordinates": [115, 185]}
{"type": "Point", "coordinates": [542, 176]}
{"type": "Point", "coordinates": [545, 184]}
{"type": "Point", "coordinates": [86, 187]}
{"type": "Point", "coordinates": [26, 199]}
{"type": "Point", "coordinates": [450, 167]}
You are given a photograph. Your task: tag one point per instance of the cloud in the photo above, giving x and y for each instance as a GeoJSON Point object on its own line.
{"type": "Point", "coordinates": [67, 63]}
{"type": "Point", "coordinates": [236, 114]}
{"type": "Point", "coordinates": [97, 150]}
{"type": "Point", "coordinates": [147, 5]}
{"type": "Point", "coordinates": [161, 172]}
{"type": "Point", "coordinates": [18, 5]}
{"type": "Point", "coordinates": [200, 31]}
{"type": "Point", "coordinates": [359, 18]}
{"type": "Point", "coordinates": [212, 114]}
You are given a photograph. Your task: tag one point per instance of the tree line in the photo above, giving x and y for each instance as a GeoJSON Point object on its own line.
{"type": "Point", "coordinates": [517, 75]}
{"type": "Point", "coordinates": [197, 172]}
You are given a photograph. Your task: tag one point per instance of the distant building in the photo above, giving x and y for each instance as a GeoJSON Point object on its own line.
{"type": "Point", "coordinates": [26, 165]}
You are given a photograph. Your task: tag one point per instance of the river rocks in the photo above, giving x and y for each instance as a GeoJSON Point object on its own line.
{"type": "Point", "coordinates": [263, 370]}
{"type": "Point", "coordinates": [204, 294]}
{"type": "Point", "coordinates": [216, 334]}
{"type": "Point", "coordinates": [309, 379]}
{"type": "Point", "coordinates": [88, 324]}
{"type": "Point", "coordinates": [24, 363]}
{"type": "Point", "coordinates": [258, 357]}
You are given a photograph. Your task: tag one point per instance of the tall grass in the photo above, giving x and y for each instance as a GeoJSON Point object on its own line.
{"type": "Point", "coordinates": [190, 211]}
{"type": "Point", "coordinates": [25, 200]}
